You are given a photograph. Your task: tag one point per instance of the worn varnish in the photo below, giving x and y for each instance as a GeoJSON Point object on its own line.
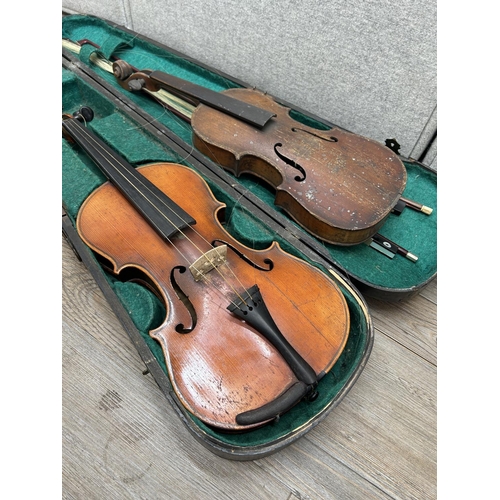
{"type": "Point", "coordinates": [339, 186]}
{"type": "Point", "coordinates": [221, 368]}
{"type": "Point", "coordinates": [121, 438]}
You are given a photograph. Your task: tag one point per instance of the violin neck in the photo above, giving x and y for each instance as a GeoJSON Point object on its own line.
{"type": "Point", "coordinates": [165, 216]}
{"type": "Point", "coordinates": [243, 111]}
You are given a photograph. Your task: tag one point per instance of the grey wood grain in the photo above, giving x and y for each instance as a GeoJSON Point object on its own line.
{"type": "Point", "coordinates": [430, 291]}
{"type": "Point", "coordinates": [121, 439]}
{"type": "Point", "coordinates": [403, 321]}
{"type": "Point", "coordinates": [386, 428]}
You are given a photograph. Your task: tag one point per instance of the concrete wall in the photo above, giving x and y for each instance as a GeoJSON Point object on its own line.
{"type": "Point", "coordinates": [368, 66]}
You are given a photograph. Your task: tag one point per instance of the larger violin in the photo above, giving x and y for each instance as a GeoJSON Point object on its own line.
{"type": "Point", "coordinates": [247, 333]}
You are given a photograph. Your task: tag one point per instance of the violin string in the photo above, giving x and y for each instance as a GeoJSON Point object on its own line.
{"type": "Point", "coordinates": [183, 124]}
{"type": "Point", "coordinates": [167, 110]}
{"type": "Point", "coordinates": [163, 98]}
{"type": "Point", "coordinates": [212, 263]}
{"type": "Point", "coordinates": [207, 278]}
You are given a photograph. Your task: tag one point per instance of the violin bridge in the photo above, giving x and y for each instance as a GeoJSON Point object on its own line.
{"type": "Point", "coordinates": [209, 260]}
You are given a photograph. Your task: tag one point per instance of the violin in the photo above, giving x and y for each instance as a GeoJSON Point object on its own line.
{"type": "Point", "coordinates": [339, 186]}
{"type": "Point", "coordinates": [247, 333]}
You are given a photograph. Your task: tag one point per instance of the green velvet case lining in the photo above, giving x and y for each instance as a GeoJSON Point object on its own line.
{"type": "Point", "coordinates": [81, 177]}
{"type": "Point", "coordinates": [412, 230]}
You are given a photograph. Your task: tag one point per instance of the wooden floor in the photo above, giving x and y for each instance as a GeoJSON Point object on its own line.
{"type": "Point", "coordinates": [121, 439]}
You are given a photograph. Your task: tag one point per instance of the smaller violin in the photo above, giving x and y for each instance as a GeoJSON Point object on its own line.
{"type": "Point", "coordinates": [339, 186]}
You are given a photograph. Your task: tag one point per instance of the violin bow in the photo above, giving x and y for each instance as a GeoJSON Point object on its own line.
{"type": "Point", "coordinates": [405, 202]}
{"type": "Point", "coordinates": [388, 248]}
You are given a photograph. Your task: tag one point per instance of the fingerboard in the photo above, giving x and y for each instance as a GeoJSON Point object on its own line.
{"type": "Point", "coordinates": [163, 214]}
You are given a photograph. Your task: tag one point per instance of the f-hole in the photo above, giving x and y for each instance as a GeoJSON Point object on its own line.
{"type": "Point", "coordinates": [180, 328]}
{"type": "Point", "coordinates": [268, 262]}
{"type": "Point", "coordinates": [290, 162]}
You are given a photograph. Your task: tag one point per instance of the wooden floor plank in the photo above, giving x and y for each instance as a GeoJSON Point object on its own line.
{"type": "Point", "coordinates": [121, 438]}
{"type": "Point", "coordinates": [386, 428]}
{"type": "Point", "coordinates": [430, 291]}
{"type": "Point", "coordinates": [315, 473]}
{"type": "Point", "coordinates": [406, 324]}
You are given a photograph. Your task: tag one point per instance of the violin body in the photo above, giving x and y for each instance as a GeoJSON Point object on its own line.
{"type": "Point", "coordinates": [219, 365]}
{"type": "Point", "coordinates": [339, 186]}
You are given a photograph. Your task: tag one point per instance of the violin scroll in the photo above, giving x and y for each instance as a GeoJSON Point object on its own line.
{"type": "Point", "coordinates": [131, 79]}
{"type": "Point", "coordinates": [122, 70]}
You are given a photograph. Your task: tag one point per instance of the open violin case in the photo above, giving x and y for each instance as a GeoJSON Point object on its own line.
{"type": "Point", "coordinates": [144, 132]}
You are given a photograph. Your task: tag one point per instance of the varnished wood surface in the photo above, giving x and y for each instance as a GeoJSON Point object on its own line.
{"type": "Point", "coordinates": [341, 188]}
{"type": "Point", "coordinates": [122, 440]}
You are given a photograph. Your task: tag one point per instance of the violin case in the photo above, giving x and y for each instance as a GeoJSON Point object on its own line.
{"type": "Point", "coordinates": [141, 131]}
